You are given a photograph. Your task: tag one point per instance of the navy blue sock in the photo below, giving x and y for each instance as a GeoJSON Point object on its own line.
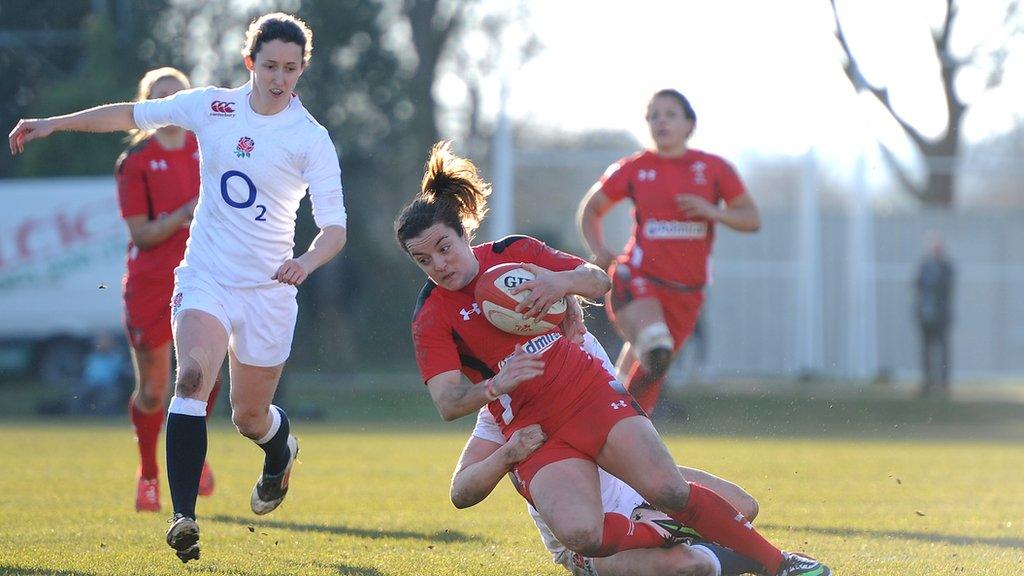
{"type": "Point", "coordinates": [186, 451]}
{"type": "Point", "coordinates": [276, 449]}
{"type": "Point", "coordinates": [733, 564]}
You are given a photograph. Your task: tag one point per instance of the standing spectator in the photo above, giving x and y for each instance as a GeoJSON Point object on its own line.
{"type": "Point", "coordinates": [934, 307]}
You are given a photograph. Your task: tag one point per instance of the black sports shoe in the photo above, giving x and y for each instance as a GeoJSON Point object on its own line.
{"type": "Point", "coordinates": [183, 536]}
{"type": "Point", "coordinates": [799, 565]}
{"type": "Point", "coordinates": [671, 530]}
{"type": "Point", "coordinates": [270, 490]}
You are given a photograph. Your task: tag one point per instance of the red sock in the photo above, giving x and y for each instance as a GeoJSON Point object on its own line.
{"type": "Point", "coordinates": [147, 432]}
{"type": "Point", "coordinates": [639, 378]}
{"type": "Point", "coordinates": [718, 522]}
{"type": "Point", "coordinates": [212, 400]}
{"type": "Point", "coordinates": [621, 533]}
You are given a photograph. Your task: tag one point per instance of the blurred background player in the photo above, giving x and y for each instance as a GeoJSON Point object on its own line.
{"type": "Point", "coordinates": [589, 417]}
{"type": "Point", "coordinates": [934, 306]}
{"type": "Point", "coordinates": [157, 188]}
{"type": "Point", "coordinates": [657, 283]}
{"type": "Point", "coordinates": [235, 290]}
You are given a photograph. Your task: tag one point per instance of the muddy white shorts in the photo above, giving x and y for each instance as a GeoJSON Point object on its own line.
{"type": "Point", "coordinates": [260, 321]}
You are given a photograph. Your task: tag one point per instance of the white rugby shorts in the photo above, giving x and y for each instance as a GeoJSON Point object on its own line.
{"type": "Point", "coordinates": [260, 321]}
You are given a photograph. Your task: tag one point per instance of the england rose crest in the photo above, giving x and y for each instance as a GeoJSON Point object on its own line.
{"type": "Point", "coordinates": [244, 147]}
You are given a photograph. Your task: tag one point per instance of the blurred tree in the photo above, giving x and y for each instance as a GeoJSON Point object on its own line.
{"type": "Point", "coordinates": [372, 83]}
{"type": "Point", "coordinates": [941, 153]}
{"type": "Point", "coordinates": [66, 56]}
{"type": "Point", "coordinates": [98, 80]}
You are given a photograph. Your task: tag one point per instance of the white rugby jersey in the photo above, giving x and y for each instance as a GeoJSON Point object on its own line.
{"type": "Point", "coordinates": [255, 170]}
{"type": "Point", "coordinates": [616, 495]}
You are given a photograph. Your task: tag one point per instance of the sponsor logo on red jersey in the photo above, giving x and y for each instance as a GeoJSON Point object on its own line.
{"type": "Point", "coordinates": [221, 108]}
{"type": "Point", "coordinates": [536, 345]}
{"type": "Point", "coordinates": [675, 230]}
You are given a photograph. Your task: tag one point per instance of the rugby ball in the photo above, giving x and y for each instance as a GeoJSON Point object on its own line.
{"type": "Point", "coordinates": [498, 304]}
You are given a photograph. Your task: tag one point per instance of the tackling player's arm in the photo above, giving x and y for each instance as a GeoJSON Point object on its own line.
{"type": "Point", "coordinates": [456, 397]}
{"type": "Point", "coordinates": [589, 219]}
{"type": "Point", "coordinates": [484, 463]}
{"type": "Point", "coordinates": [106, 118]}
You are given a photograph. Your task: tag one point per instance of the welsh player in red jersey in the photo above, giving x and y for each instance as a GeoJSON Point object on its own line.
{"type": "Point", "coordinates": [158, 187]}
{"type": "Point", "coordinates": [588, 417]}
{"type": "Point", "coordinates": [678, 195]}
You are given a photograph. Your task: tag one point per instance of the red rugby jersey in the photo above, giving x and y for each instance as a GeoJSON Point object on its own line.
{"type": "Point", "coordinates": [666, 244]}
{"type": "Point", "coordinates": [450, 333]}
{"type": "Point", "coordinates": [154, 181]}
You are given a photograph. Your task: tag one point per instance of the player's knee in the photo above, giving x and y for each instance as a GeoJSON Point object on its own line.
{"type": "Point", "coordinates": [747, 505]}
{"type": "Point", "coordinates": [684, 561]}
{"type": "Point", "coordinates": [671, 496]}
{"type": "Point", "coordinates": [654, 346]}
{"type": "Point", "coordinates": [582, 540]}
{"type": "Point", "coordinates": [249, 421]}
{"type": "Point", "coordinates": [658, 362]}
{"type": "Point", "coordinates": [151, 396]}
{"type": "Point", "coordinates": [189, 381]}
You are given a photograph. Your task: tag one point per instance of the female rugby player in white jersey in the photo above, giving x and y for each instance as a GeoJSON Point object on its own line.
{"type": "Point", "coordinates": [235, 289]}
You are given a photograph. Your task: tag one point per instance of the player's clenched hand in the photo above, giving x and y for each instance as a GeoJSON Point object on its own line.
{"type": "Point", "coordinates": [694, 206]}
{"type": "Point", "coordinates": [519, 368]}
{"type": "Point", "coordinates": [28, 130]}
{"type": "Point", "coordinates": [291, 272]}
{"type": "Point", "coordinates": [545, 289]}
{"type": "Point", "coordinates": [524, 442]}
{"type": "Point", "coordinates": [572, 325]}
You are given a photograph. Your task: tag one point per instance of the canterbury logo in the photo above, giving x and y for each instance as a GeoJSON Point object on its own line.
{"type": "Point", "coordinates": [220, 107]}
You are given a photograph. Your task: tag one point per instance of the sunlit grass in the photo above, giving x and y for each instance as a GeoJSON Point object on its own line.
{"type": "Point", "coordinates": [372, 501]}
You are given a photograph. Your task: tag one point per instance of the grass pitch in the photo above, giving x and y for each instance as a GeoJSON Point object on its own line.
{"type": "Point", "coordinates": [929, 489]}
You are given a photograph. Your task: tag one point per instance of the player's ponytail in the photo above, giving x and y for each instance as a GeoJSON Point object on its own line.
{"type": "Point", "coordinates": [451, 193]}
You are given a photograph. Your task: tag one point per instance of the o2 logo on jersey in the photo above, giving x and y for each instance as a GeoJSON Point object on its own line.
{"type": "Point", "coordinates": [646, 175]}
{"type": "Point", "coordinates": [244, 147]}
{"type": "Point", "coordinates": [250, 199]}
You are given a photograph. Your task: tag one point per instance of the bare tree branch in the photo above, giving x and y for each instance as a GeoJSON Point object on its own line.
{"type": "Point", "coordinates": [901, 173]}
{"type": "Point", "coordinates": [860, 83]}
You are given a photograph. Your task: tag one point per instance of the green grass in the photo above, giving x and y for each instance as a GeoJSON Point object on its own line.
{"type": "Point", "coordinates": [872, 487]}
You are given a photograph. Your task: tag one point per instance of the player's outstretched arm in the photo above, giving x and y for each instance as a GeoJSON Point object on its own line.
{"type": "Point", "coordinates": [106, 118]}
{"type": "Point", "coordinates": [484, 463]}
